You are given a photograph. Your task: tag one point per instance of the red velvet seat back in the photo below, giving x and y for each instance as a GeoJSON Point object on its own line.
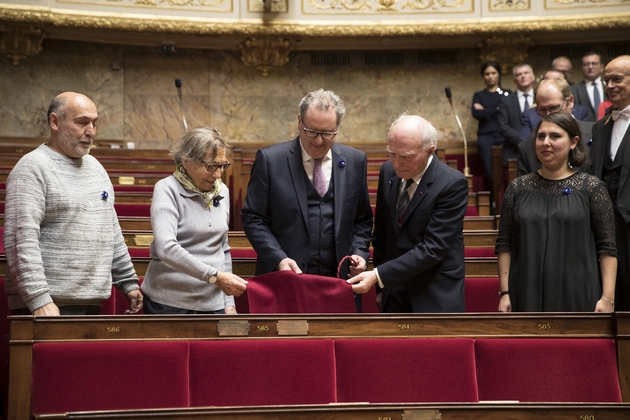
{"type": "Point", "coordinates": [109, 375]}
{"type": "Point", "coordinates": [547, 370]}
{"type": "Point", "coordinates": [287, 292]}
{"type": "Point", "coordinates": [261, 372]}
{"type": "Point", "coordinates": [482, 294]}
{"type": "Point", "coordinates": [401, 370]}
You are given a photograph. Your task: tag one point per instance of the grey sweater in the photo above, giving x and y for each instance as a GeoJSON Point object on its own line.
{"type": "Point", "coordinates": [190, 242]}
{"type": "Point", "coordinates": [62, 237]}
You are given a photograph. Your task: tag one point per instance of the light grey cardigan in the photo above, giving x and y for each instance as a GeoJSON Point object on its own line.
{"type": "Point", "coordinates": [190, 242]}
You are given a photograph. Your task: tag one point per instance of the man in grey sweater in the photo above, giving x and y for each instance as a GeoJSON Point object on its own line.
{"type": "Point", "coordinates": [63, 242]}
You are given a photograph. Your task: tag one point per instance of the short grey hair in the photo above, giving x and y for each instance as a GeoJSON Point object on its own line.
{"type": "Point", "coordinates": [427, 133]}
{"type": "Point", "coordinates": [196, 142]}
{"type": "Point", "coordinates": [521, 65]}
{"type": "Point", "coordinates": [323, 100]}
{"type": "Point", "coordinates": [58, 106]}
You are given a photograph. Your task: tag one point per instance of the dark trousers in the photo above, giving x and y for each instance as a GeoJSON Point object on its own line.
{"type": "Point", "coordinates": [398, 300]}
{"type": "Point", "coordinates": [154, 308]}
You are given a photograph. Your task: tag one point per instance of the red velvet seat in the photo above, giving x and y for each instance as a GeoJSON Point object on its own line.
{"type": "Point", "coordinates": [262, 372]}
{"type": "Point", "coordinates": [479, 252]}
{"type": "Point", "coordinates": [405, 370]}
{"type": "Point", "coordinates": [133, 209]}
{"type": "Point", "coordinates": [482, 294]}
{"type": "Point", "coordinates": [108, 306]}
{"type": "Point", "coordinates": [109, 375]}
{"type": "Point", "coordinates": [547, 370]}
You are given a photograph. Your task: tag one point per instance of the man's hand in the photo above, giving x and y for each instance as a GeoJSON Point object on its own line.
{"type": "Point", "coordinates": [135, 302]}
{"type": "Point", "coordinates": [363, 282]}
{"type": "Point", "coordinates": [357, 265]}
{"type": "Point", "coordinates": [231, 284]}
{"type": "Point", "coordinates": [50, 309]}
{"type": "Point", "coordinates": [230, 310]}
{"type": "Point", "coordinates": [289, 264]}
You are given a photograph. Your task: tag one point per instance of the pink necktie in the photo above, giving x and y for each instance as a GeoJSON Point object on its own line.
{"type": "Point", "coordinates": [319, 180]}
{"type": "Point", "coordinates": [621, 114]}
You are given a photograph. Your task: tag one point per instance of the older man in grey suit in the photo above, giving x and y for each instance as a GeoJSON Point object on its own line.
{"type": "Point", "coordinates": [307, 204]}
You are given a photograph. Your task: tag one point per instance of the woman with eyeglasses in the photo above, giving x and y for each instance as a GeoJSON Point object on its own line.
{"type": "Point", "coordinates": [191, 268]}
{"type": "Point", "coordinates": [556, 248]}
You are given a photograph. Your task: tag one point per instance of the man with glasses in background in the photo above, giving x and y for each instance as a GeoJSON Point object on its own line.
{"type": "Point", "coordinates": [590, 92]}
{"type": "Point", "coordinates": [552, 95]}
{"type": "Point", "coordinates": [610, 156]}
{"type": "Point", "coordinates": [307, 204]}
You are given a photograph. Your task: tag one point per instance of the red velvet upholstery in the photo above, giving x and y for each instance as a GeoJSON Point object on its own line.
{"type": "Point", "coordinates": [139, 252]}
{"type": "Point", "coordinates": [243, 253]}
{"type": "Point", "coordinates": [109, 375]}
{"type": "Point", "coordinates": [133, 209]}
{"type": "Point", "coordinates": [287, 292]}
{"type": "Point", "coordinates": [482, 294]}
{"type": "Point", "coordinates": [2, 240]}
{"type": "Point", "coordinates": [479, 252]}
{"type": "Point", "coordinates": [108, 306]}
{"type": "Point", "coordinates": [262, 372]}
{"type": "Point", "coordinates": [471, 212]}
{"type": "Point", "coordinates": [4, 347]}
{"type": "Point", "coordinates": [401, 370]}
{"type": "Point", "coordinates": [547, 370]}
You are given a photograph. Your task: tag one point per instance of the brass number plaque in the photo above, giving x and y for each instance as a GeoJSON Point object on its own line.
{"type": "Point", "coordinates": [231, 328]}
{"type": "Point", "coordinates": [544, 326]}
{"type": "Point", "coordinates": [422, 415]}
{"type": "Point", "coordinates": [113, 330]}
{"type": "Point", "coordinates": [292, 327]}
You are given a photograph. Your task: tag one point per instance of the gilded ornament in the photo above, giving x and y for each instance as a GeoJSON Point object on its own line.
{"type": "Point", "coordinates": [265, 54]}
{"type": "Point", "coordinates": [20, 42]}
{"type": "Point", "coordinates": [387, 5]}
{"type": "Point", "coordinates": [507, 51]}
{"type": "Point", "coordinates": [502, 5]}
{"type": "Point", "coordinates": [341, 4]}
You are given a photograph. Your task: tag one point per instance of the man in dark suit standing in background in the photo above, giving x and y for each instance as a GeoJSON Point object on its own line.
{"type": "Point", "coordinates": [418, 240]}
{"type": "Point", "coordinates": [512, 108]}
{"type": "Point", "coordinates": [307, 204]}
{"type": "Point", "coordinates": [590, 92]}
{"type": "Point", "coordinates": [552, 95]}
{"type": "Point", "coordinates": [610, 156]}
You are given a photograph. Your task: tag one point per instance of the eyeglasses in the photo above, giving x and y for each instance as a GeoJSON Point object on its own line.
{"type": "Point", "coordinates": [614, 80]}
{"type": "Point", "coordinates": [212, 167]}
{"type": "Point", "coordinates": [326, 135]}
{"type": "Point", "coordinates": [546, 111]}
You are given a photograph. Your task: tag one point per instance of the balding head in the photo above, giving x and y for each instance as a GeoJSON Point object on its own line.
{"type": "Point", "coordinates": [617, 78]}
{"type": "Point", "coordinates": [553, 95]}
{"type": "Point", "coordinates": [72, 118]}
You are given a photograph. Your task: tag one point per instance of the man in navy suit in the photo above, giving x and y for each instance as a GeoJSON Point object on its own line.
{"type": "Point", "coordinates": [610, 157]}
{"type": "Point", "coordinates": [591, 91]}
{"type": "Point", "coordinates": [512, 108]}
{"type": "Point", "coordinates": [307, 204]}
{"type": "Point", "coordinates": [552, 95]}
{"type": "Point", "coordinates": [418, 240]}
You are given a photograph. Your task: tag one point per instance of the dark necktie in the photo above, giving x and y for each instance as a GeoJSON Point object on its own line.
{"type": "Point", "coordinates": [403, 201]}
{"type": "Point", "coordinates": [319, 180]}
{"type": "Point", "coordinates": [526, 103]}
{"type": "Point", "coordinates": [596, 98]}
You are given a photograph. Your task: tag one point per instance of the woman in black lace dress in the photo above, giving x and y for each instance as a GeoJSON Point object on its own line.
{"type": "Point", "coordinates": [556, 244]}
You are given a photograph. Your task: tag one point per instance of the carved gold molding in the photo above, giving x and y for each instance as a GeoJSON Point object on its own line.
{"type": "Point", "coordinates": [39, 16]}
{"type": "Point", "coordinates": [20, 42]}
{"type": "Point", "coordinates": [265, 54]}
{"type": "Point", "coordinates": [507, 51]}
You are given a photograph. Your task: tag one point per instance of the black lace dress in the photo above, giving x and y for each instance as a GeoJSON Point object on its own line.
{"type": "Point", "coordinates": [554, 231]}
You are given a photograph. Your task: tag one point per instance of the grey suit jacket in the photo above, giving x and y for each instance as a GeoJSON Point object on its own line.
{"type": "Point", "coordinates": [275, 212]}
{"type": "Point", "coordinates": [602, 131]}
{"type": "Point", "coordinates": [581, 97]}
{"type": "Point", "coordinates": [427, 250]}
{"type": "Point", "coordinates": [527, 160]}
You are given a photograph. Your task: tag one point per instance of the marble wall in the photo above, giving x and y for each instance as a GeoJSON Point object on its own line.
{"type": "Point", "coordinates": [135, 92]}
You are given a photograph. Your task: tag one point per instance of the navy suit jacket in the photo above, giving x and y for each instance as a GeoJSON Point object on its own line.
{"type": "Point", "coordinates": [581, 97]}
{"type": "Point", "coordinates": [427, 250]}
{"type": "Point", "coordinates": [510, 121]}
{"type": "Point", "coordinates": [527, 160]}
{"type": "Point", "coordinates": [275, 212]}
{"type": "Point", "coordinates": [602, 131]}
{"type": "Point", "coordinates": [531, 119]}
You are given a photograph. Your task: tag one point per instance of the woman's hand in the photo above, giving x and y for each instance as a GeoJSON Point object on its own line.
{"type": "Point", "coordinates": [505, 305]}
{"type": "Point", "coordinates": [478, 107]}
{"type": "Point", "coordinates": [231, 284]}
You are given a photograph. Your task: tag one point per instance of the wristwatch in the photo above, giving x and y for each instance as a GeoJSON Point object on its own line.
{"type": "Point", "coordinates": [213, 277]}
